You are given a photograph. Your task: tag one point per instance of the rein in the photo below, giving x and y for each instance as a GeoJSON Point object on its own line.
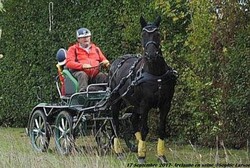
{"type": "Point", "coordinates": [123, 80]}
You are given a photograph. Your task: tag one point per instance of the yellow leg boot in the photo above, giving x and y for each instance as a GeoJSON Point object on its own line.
{"type": "Point", "coordinates": [117, 146]}
{"type": "Point", "coordinates": [142, 148]}
{"type": "Point", "coordinates": [160, 147]}
{"type": "Point", "coordinates": [141, 152]}
{"type": "Point", "coordinates": [161, 151]}
{"type": "Point", "coordinates": [138, 136]}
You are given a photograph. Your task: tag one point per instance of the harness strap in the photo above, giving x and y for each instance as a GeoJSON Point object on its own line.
{"type": "Point", "coordinates": [147, 77]}
{"type": "Point", "coordinates": [123, 80]}
{"type": "Point", "coordinates": [124, 58]}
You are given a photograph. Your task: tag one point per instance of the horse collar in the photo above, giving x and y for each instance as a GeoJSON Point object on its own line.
{"type": "Point", "coordinates": [145, 77]}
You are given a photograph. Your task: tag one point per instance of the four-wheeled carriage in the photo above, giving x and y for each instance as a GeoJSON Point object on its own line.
{"type": "Point", "coordinates": [77, 115]}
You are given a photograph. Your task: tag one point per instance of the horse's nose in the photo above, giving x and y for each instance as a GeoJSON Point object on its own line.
{"type": "Point", "coordinates": [154, 55]}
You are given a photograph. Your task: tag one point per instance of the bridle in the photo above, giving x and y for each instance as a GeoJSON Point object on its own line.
{"type": "Point", "coordinates": [151, 29]}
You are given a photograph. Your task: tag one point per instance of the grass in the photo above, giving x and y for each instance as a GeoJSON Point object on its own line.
{"type": "Point", "coordinates": [16, 152]}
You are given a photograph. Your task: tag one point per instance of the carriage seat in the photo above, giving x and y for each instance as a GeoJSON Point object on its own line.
{"type": "Point", "coordinates": [66, 83]}
{"type": "Point", "coordinates": [71, 85]}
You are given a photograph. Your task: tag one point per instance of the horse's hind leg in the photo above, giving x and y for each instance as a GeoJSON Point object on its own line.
{"type": "Point", "coordinates": [115, 114]}
{"type": "Point", "coordinates": [135, 120]}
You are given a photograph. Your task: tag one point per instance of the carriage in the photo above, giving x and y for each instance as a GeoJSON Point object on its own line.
{"type": "Point", "coordinates": [76, 116]}
{"type": "Point", "coordinates": [141, 82]}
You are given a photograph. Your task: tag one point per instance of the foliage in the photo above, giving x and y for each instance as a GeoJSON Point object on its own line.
{"type": "Point", "coordinates": [31, 38]}
{"type": "Point", "coordinates": [211, 55]}
{"type": "Point", "coordinates": [208, 71]}
{"type": "Point", "coordinates": [237, 111]}
{"type": "Point", "coordinates": [201, 105]}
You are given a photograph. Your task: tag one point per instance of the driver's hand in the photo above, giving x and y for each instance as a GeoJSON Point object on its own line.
{"type": "Point", "coordinates": [105, 63]}
{"type": "Point", "coordinates": [86, 66]}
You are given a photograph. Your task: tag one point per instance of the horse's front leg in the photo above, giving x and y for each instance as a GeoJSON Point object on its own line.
{"type": "Point", "coordinates": [142, 134]}
{"type": "Point", "coordinates": [162, 132]}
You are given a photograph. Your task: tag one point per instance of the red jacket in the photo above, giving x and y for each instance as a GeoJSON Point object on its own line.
{"type": "Point", "coordinates": [76, 56]}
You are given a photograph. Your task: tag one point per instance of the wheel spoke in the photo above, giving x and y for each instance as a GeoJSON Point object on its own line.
{"type": "Point", "coordinates": [66, 125]}
{"type": "Point", "coordinates": [36, 131]}
{"type": "Point", "coordinates": [60, 137]}
{"type": "Point", "coordinates": [36, 137]}
{"type": "Point", "coordinates": [65, 143]}
{"type": "Point", "coordinates": [67, 131]}
{"type": "Point", "coordinates": [43, 133]}
{"type": "Point", "coordinates": [61, 129]}
{"type": "Point", "coordinates": [62, 122]}
{"type": "Point", "coordinates": [43, 141]}
{"type": "Point", "coordinates": [42, 125]}
{"type": "Point", "coordinates": [37, 141]}
{"type": "Point", "coordinates": [39, 121]}
{"type": "Point", "coordinates": [36, 123]}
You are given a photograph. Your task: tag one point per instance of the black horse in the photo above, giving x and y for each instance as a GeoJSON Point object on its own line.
{"type": "Point", "coordinates": [143, 82]}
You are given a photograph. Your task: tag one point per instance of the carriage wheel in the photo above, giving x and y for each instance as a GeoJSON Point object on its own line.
{"type": "Point", "coordinates": [104, 136]}
{"type": "Point", "coordinates": [39, 131]}
{"type": "Point", "coordinates": [63, 133]}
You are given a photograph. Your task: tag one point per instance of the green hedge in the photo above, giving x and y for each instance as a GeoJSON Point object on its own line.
{"type": "Point", "coordinates": [34, 31]}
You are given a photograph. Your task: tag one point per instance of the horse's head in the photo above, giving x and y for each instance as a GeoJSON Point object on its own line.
{"type": "Point", "coordinates": [151, 38]}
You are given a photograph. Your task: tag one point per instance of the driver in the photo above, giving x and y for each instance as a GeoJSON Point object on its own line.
{"type": "Point", "coordinates": [84, 59]}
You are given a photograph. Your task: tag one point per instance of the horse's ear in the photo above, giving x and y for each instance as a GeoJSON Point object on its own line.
{"type": "Point", "coordinates": [143, 22]}
{"type": "Point", "coordinates": [158, 21]}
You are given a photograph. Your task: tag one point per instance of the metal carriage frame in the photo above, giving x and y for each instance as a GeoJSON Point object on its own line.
{"type": "Point", "coordinates": [78, 115]}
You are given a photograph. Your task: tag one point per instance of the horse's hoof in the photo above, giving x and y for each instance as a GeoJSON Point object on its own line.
{"type": "Point", "coordinates": [141, 160]}
{"type": "Point", "coordinates": [133, 149]}
{"type": "Point", "coordinates": [162, 159]}
{"type": "Point", "coordinates": [120, 156]}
